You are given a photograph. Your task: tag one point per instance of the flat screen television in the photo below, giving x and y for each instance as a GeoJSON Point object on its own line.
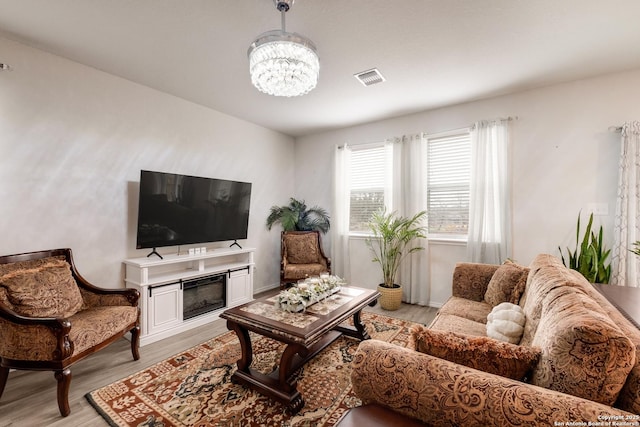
{"type": "Point", "coordinates": [181, 209]}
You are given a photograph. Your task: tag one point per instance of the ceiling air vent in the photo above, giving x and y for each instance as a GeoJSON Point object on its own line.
{"type": "Point", "coordinates": [369, 77]}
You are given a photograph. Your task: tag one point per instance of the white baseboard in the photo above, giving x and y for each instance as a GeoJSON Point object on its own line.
{"type": "Point", "coordinates": [265, 288]}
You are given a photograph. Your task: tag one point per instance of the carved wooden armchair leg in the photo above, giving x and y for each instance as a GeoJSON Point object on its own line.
{"type": "Point", "coordinates": [135, 342]}
{"type": "Point", "coordinates": [4, 375]}
{"type": "Point", "coordinates": [64, 382]}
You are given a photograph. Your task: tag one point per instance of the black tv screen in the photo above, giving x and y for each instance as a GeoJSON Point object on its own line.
{"type": "Point", "coordinates": [180, 209]}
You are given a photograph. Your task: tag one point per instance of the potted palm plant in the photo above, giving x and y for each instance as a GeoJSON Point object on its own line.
{"type": "Point", "coordinates": [296, 216]}
{"type": "Point", "coordinates": [391, 236]}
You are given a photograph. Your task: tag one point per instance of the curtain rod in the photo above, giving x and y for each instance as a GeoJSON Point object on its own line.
{"type": "Point", "coordinates": [499, 119]}
{"type": "Point", "coordinates": [340, 147]}
{"type": "Point", "coordinates": [615, 128]}
{"type": "Point", "coordinates": [508, 118]}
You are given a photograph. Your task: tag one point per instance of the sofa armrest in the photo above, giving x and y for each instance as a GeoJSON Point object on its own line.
{"type": "Point", "coordinates": [470, 280]}
{"type": "Point", "coordinates": [440, 392]}
{"type": "Point", "coordinates": [30, 338]}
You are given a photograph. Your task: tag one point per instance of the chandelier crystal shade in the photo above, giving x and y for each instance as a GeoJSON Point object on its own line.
{"type": "Point", "coordinates": [282, 63]}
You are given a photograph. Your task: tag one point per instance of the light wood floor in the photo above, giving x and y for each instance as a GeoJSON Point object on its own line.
{"type": "Point", "coordinates": [29, 398]}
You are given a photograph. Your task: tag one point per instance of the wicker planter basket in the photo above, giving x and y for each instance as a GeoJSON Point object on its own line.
{"type": "Point", "coordinates": [390, 298]}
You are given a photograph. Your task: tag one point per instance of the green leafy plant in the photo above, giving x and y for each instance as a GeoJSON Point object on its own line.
{"type": "Point", "coordinates": [590, 256]}
{"type": "Point", "coordinates": [391, 234]}
{"type": "Point", "coordinates": [636, 249]}
{"type": "Point", "coordinates": [297, 217]}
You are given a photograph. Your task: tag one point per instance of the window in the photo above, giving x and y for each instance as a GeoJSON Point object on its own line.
{"type": "Point", "coordinates": [448, 176]}
{"type": "Point", "coordinates": [368, 177]}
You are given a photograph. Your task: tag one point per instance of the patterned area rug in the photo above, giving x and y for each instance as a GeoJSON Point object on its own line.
{"type": "Point", "coordinates": [193, 388]}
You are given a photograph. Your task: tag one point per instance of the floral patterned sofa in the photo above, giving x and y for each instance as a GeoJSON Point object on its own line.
{"type": "Point", "coordinates": [575, 362]}
{"type": "Point", "coordinates": [51, 317]}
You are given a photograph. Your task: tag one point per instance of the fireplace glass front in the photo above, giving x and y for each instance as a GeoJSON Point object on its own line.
{"type": "Point", "coordinates": [202, 295]}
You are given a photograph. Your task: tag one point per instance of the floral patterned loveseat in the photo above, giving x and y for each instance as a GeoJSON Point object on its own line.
{"type": "Point", "coordinates": [585, 368]}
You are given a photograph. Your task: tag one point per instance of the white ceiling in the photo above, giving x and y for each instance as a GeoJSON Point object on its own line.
{"type": "Point", "coordinates": [432, 52]}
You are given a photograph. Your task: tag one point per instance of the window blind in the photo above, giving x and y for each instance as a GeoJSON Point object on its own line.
{"type": "Point", "coordinates": [448, 178]}
{"type": "Point", "coordinates": [367, 184]}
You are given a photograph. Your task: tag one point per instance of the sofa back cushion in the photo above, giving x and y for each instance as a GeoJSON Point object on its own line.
{"type": "Point", "coordinates": [40, 288]}
{"type": "Point", "coordinates": [583, 352]}
{"type": "Point", "coordinates": [546, 274]}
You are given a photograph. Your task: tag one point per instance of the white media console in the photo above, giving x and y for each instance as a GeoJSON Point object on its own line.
{"type": "Point", "coordinates": [161, 281]}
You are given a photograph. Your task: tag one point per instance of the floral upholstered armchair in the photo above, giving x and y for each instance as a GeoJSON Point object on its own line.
{"type": "Point", "coordinates": [51, 317]}
{"type": "Point", "coordinates": [302, 256]}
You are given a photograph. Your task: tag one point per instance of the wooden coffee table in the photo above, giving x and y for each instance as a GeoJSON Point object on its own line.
{"type": "Point", "coordinates": [306, 334]}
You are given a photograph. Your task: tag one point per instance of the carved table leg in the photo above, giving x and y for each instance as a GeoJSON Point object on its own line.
{"type": "Point", "coordinates": [64, 382]}
{"type": "Point", "coordinates": [362, 331]}
{"type": "Point", "coordinates": [245, 344]}
{"type": "Point", "coordinates": [287, 378]}
{"type": "Point", "coordinates": [358, 329]}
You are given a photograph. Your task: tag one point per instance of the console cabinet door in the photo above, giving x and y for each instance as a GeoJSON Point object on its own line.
{"type": "Point", "coordinates": [239, 287]}
{"type": "Point", "coordinates": [165, 307]}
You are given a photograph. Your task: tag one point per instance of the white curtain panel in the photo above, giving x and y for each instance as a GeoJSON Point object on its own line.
{"type": "Point", "coordinates": [489, 238]}
{"type": "Point", "coordinates": [340, 264]}
{"type": "Point", "coordinates": [408, 198]}
{"type": "Point", "coordinates": [625, 264]}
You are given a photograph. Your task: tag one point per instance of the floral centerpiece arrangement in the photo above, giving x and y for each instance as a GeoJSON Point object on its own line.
{"type": "Point", "coordinates": [308, 292]}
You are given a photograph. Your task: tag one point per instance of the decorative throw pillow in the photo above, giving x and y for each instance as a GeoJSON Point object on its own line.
{"type": "Point", "coordinates": [507, 284]}
{"type": "Point", "coordinates": [41, 288]}
{"type": "Point", "coordinates": [506, 323]}
{"type": "Point", "coordinates": [482, 353]}
{"type": "Point", "coordinates": [302, 248]}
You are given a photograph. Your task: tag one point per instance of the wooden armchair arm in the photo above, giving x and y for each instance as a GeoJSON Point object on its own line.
{"type": "Point", "coordinates": [33, 338]}
{"type": "Point", "coordinates": [11, 316]}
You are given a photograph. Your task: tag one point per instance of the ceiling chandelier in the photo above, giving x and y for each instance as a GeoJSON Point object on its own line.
{"type": "Point", "coordinates": [281, 63]}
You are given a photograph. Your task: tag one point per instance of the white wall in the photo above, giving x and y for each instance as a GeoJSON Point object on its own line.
{"type": "Point", "coordinates": [564, 158]}
{"type": "Point", "coordinates": [73, 140]}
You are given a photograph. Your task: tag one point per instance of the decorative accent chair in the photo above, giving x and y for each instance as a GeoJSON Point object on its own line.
{"type": "Point", "coordinates": [302, 256]}
{"type": "Point", "coordinates": [51, 317]}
